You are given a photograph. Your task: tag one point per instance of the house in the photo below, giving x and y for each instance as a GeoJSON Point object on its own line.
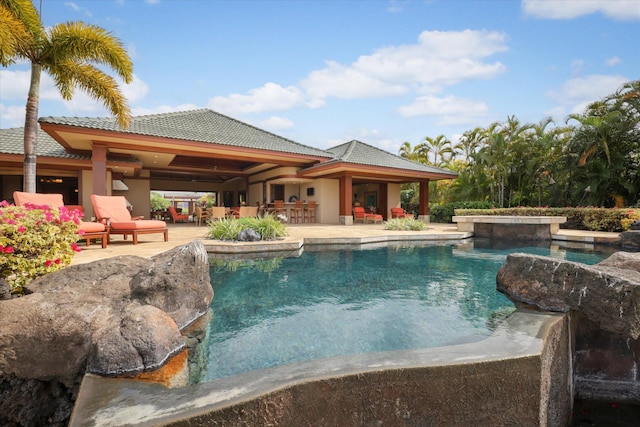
{"type": "Point", "coordinates": [204, 151]}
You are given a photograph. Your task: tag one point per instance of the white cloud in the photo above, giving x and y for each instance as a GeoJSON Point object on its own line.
{"type": "Point", "coordinates": [77, 8]}
{"type": "Point", "coordinates": [276, 123]}
{"type": "Point", "coordinates": [14, 85]}
{"type": "Point", "coordinates": [449, 109]}
{"type": "Point", "coordinates": [439, 58]}
{"type": "Point", "coordinates": [613, 61]}
{"type": "Point", "coordinates": [569, 9]}
{"type": "Point", "coordinates": [344, 82]}
{"type": "Point", "coordinates": [12, 116]}
{"type": "Point", "coordinates": [270, 97]}
{"type": "Point", "coordinates": [134, 91]}
{"type": "Point", "coordinates": [577, 66]}
{"type": "Point", "coordinates": [576, 94]}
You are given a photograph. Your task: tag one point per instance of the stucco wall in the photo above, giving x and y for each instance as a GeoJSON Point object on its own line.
{"type": "Point", "coordinates": [327, 195]}
{"type": "Point", "coordinates": [393, 197]}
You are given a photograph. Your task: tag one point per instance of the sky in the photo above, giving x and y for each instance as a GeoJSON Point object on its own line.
{"type": "Point", "coordinates": [325, 72]}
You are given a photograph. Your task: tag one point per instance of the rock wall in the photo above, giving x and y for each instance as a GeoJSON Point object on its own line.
{"type": "Point", "coordinates": [604, 303]}
{"type": "Point", "coordinates": [118, 316]}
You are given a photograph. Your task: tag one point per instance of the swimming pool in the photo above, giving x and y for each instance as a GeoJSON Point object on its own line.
{"type": "Point", "coordinates": [325, 303]}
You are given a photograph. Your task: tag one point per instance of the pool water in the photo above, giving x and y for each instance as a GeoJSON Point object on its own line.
{"type": "Point", "coordinates": [326, 303]}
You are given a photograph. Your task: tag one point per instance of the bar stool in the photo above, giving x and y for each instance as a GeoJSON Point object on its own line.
{"type": "Point", "coordinates": [310, 212]}
{"type": "Point", "coordinates": [297, 212]}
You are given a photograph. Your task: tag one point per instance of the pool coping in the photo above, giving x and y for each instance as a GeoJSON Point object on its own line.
{"type": "Point", "coordinates": [116, 401]}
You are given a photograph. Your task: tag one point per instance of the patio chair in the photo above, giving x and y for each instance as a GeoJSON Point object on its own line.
{"type": "Point", "coordinates": [112, 211]}
{"type": "Point", "coordinates": [247, 211]}
{"type": "Point", "coordinates": [175, 216]}
{"type": "Point", "coordinates": [359, 214]}
{"type": "Point", "coordinates": [202, 216]}
{"type": "Point", "coordinates": [310, 212]}
{"type": "Point", "coordinates": [296, 213]}
{"type": "Point", "coordinates": [399, 213]}
{"type": "Point", "coordinates": [278, 208]}
{"type": "Point", "coordinates": [88, 230]}
{"type": "Point", "coordinates": [217, 213]}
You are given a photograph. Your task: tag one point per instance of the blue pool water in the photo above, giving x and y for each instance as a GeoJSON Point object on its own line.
{"type": "Point", "coordinates": [326, 303]}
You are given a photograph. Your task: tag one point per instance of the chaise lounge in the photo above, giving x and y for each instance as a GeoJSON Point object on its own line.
{"type": "Point", "coordinates": [87, 230]}
{"type": "Point", "coordinates": [399, 213]}
{"type": "Point", "coordinates": [112, 211]}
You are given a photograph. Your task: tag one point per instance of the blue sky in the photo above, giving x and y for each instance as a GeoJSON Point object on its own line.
{"type": "Point", "coordinates": [383, 72]}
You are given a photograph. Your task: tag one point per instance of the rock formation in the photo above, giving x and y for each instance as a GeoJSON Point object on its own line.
{"type": "Point", "coordinates": [630, 240]}
{"type": "Point", "coordinates": [604, 303]}
{"type": "Point", "coordinates": [118, 316]}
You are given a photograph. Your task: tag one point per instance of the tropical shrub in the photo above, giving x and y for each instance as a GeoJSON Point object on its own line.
{"type": "Point", "coordinates": [405, 224]}
{"type": "Point", "coordinates": [633, 215]}
{"type": "Point", "coordinates": [443, 213]}
{"type": "Point", "coordinates": [268, 227]}
{"type": "Point", "coordinates": [159, 203]}
{"type": "Point", "coordinates": [35, 240]}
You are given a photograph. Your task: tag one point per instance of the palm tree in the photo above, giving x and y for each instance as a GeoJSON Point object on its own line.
{"type": "Point", "coordinates": [441, 148]}
{"type": "Point", "coordinates": [70, 53]}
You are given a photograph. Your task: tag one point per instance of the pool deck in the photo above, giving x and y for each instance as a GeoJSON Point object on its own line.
{"type": "Point", "coordinates": [300, 234]}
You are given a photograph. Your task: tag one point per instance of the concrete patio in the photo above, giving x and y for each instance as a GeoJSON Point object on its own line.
{"type": "Point", "coordinates": [300, 234]}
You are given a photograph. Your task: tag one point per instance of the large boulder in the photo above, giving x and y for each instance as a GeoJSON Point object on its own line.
{"type": "Point", "coordinates": [607, 295]}
{"type": "Point", "coordinates": [630, 240]}
{"type": "Point", "coordinates": [118, 316]}
{"type": "Point", "coordinates": [604, 303]}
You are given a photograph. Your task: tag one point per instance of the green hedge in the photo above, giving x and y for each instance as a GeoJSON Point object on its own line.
{"type": "Point", "coordinates": [592, 219]}
{"type": "Point", "coordinates": [443, 213]}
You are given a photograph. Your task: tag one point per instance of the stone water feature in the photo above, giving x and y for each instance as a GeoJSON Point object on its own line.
{"type": "Point", "coordinates": [122, 316]}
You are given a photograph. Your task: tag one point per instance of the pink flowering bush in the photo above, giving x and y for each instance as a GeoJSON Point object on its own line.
{"type": "Point", "coordinates": [35, 240]}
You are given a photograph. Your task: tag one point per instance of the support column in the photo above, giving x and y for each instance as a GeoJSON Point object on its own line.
{"type": "Point", "coordinates": [99, 169]}
{"type": "Point", "coordinates": [423, 208]}
{"type": "Point", "coordinates": [346, 196]}
{"type": "Point", "coordinates": [383, 202]}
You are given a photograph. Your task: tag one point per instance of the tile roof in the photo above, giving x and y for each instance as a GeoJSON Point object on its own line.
{"type": "Point", "coordinates": [12, 142]}
{"type": "Point", "coordinates": [357, 152]}
{"type": "Point", "coordinates": [202, 125]}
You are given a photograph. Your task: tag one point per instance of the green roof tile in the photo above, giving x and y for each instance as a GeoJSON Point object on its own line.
{"type": "Point", "coordinates": [196, 125]}
{"type": "Point", "coordinates": [359, 153]}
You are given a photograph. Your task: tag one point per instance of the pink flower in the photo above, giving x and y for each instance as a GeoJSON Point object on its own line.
{"type": "Point", "coordinates": [75, 247]}
{"type": "Point", "coordinates": [48, 263]}
{"type": "Point", "coordinates": [21, 229]}
{"type": "Point", "coordinates": [8, 250]}
{"type": "Point", "coordinates": [57, 261]}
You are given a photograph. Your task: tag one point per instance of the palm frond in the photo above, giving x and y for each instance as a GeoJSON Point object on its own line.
{"type": "Point", "coordinates": [89, 43]}
{"type": "Point", "coordinates": [102, 87]}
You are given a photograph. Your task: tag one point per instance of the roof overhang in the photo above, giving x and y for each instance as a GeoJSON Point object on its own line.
{"type": "Point", "coordinates": [171, 156]}
{"type": "Point", "coordinates": [367, 173]}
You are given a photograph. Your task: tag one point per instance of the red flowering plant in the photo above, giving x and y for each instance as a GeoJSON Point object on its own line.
{"type": "Point", "coordinates": [35, 240]}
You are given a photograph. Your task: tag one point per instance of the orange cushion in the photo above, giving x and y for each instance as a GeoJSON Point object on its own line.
{"type": "Point", "coordinates": [112, 207]}
{"type": "Point", "coordinates": [91, 227]}
{"type": "Point", "coordinates": [145, 224]}
{"type": "Point", "coordinates": [52, 200]}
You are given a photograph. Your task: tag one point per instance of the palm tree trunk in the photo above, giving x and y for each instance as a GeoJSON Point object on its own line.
{"type": "Point", "coordinates": [31, 130]}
